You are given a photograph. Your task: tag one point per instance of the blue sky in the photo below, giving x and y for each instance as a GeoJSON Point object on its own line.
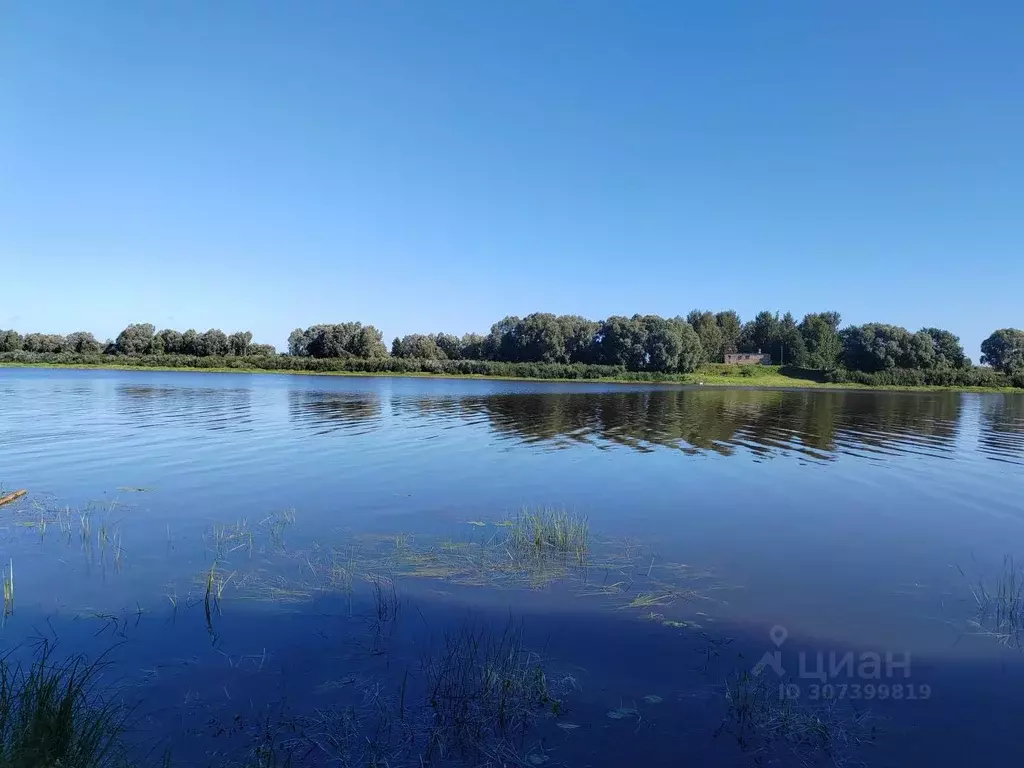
{"type": "Point", "coordinates": [437, 165]}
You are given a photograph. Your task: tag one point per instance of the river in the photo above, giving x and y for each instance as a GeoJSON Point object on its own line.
{"type": "Point", "coordinates": [243, 544]}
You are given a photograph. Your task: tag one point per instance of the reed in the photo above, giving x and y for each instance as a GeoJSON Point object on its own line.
{"type": "Point", "coordinates": [51, 715]}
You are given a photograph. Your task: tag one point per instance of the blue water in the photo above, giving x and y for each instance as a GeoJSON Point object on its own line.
{"type": "Point", "coordinates": [855, 520]}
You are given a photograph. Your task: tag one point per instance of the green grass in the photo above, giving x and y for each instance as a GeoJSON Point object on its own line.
{"type": "Point", "coordinates": [51, 715]}
{"type": "Point", "coordinates": [546, 531]}
{"type": "Point", "coordinates": [712, 375]}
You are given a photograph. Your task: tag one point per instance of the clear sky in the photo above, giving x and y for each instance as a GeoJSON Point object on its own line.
{"type": "Point", "coordinates": [436, 165]}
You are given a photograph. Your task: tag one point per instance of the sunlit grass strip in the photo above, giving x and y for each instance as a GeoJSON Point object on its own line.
{"type": "Point", "coordinates": [50, 715]}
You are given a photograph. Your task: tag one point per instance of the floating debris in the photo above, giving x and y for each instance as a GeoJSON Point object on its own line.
{"type": "Point", "coordinates": [622, 713]}
{"type": "Point", "coordinates": [12, 497]}
{"type": "Point", "coordinates": [135, 489]}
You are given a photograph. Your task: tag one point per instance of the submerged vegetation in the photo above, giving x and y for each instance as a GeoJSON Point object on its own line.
{"type": "Point", "coordinates": [999, 604]}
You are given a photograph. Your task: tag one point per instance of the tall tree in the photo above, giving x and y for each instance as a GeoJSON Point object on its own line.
{"type": "Point", "coordinates": [10, 341]}
{"type": "Point", "coordinates": [820, 331]}
{"type": "Point", "coordinates": [190, 342]}
{"type": "Point", "coordinates": [82, 342]}
{"type": "Point", "coordinates": [540, 338]}
{"type": "Point", "coordinates": [449, 345]}
{"type": "Point", "coordinates": [1004, 350]}
{"type": "Point", "coordinates": [877, 347]}
{"type": "Point", "coordinates": [788, 347]}
{"type": "Point", "coordinates": [239, 343]}
{"type": "Point", "coordinates": [136, 339]}
{"type": "Point", "coordinates": [760, 333]}
{"type": "Point", "coordinates": [712, 342]}
{"type": "Point", "coordinates": [474, 346]}
{"type": "Point", "coordinates": [731, 328]}
{"type": "Point", "coordinates": [172, 341]}
{"type": "Point", "coordinates": [578, 333]}
{"type": "Point", "coordinates": [212, 343]}
{"type": "Point", "coordinates": [416, 345]}
{"type": "Point", "coordinates": [947, 351]}
{"type": "Point", "coordinates": [622, 341]}
{"type": "Point", "coordinates": [48, 343]}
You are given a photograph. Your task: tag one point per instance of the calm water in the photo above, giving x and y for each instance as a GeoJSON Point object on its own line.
{"type": "Point", "coordinates": [853, 520]}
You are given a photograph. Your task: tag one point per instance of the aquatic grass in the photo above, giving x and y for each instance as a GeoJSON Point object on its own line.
{"type": "Point", "coordinates": [1000, 606]}
{"type": "Point", "coordinates": [226, 539]}
{"type": "Point", "coordinates": [765, 724]}
{"type": "Point", "coordinates": [484, 690]}
{"type": "Point", "coordinates": [51, 715]}
{"type": "Point", "coordinates": [544, 531]}
{"type": "Point", "coordinates": [8, 587]}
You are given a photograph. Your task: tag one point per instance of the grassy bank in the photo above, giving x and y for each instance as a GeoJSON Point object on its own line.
{"type": "Point", "coordinates": [769, 377]}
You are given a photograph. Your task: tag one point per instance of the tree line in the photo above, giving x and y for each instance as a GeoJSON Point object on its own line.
{"type": "Point", "coordinates": [139, 339]}
{"type": "Point", "coordinates": [641, 344]}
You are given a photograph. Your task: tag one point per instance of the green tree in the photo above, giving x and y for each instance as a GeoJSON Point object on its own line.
{"type": "Point", "coordinates": [171, 341]}
{"type": "Point", "coordinates": [622, 341]}
{"type": "Point", "coordinates": [578, 335]}
{"type": "Point", "coordinates": [10, 341]}
{"type": "Point", "coordinates": [239, 343]}
{"type": "Point", "coordinates": [212, 343]}
{"type": "Point", "coordinates": [712, 342]}
{"type": "Point", "coordinates": [788, 347]}
{"type": "Point", "coordinates": [540, 338]}
{"type": "Point", "coordinates": [474, 346]}
{"type": "Point", "coordinates": [1004, 350]}
{"type": "Point", "coordinates": [298, 343]}
{"type": "Point", "coordinates": [342, 340]}
{"type": "Point", "coordinates": [501, 342]}
{"type": "Point", "coordinates": [761, 333]}
{"type": "Point", "coordinates": [731, 328]}
{"type": "Point", "coordinates": [416, 345]}
{"type": "Point", "coordinates": [190, 342]}
{"type": "Point", "coordinates": [47, 343]}
{"type": "Point", "coordinates": [947, 351]}
{"type": "Point", "coordinates": [877, 347]}
{"type": "Point", "coordinates": [820, 331]}
{"type": "Point", "coordinates": [267, 350]}
{"type": "Point", "coordinates": [449, 345]}
{"type": "Point", "coordinates": [82, 342]}
{"type": "Point", "coordinates": [136, 339]}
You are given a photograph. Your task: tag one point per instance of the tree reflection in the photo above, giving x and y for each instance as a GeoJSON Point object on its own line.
{"type": "Point", "coordinates": [1002, 434]}
{"type": "Point", "coordinates": [767, 422]}
{"type": "Point", "coordinates": [213, 408]}
{"type": "Point", "coordinates": [331, 411]}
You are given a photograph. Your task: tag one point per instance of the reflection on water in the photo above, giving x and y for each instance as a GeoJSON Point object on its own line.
{"type": "Point", "coordinates": [817, 424]}
{"type": "Point", "coordinates": [208, 408]}
{"type": "Point", "coordinates": [326, 412]}
{"type": "Point", "coordinates": [1002, 438]}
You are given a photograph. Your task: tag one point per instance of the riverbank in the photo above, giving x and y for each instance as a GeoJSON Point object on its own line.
{"type": "Point", "coordinates": [715, 375]}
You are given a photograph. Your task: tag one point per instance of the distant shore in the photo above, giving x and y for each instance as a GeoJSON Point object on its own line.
{"type": "Point", "coordinates": [763, 377]}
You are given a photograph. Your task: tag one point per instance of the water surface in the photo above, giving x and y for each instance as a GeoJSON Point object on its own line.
{"type": "Point", "coordinates": [852, 519]}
